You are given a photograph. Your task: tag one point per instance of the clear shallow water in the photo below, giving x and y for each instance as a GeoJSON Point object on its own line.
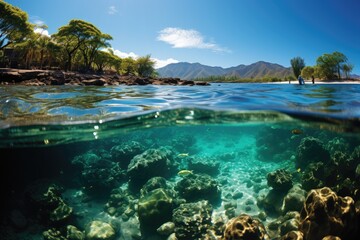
{"type": "Point", "coordinates": [87, 140]}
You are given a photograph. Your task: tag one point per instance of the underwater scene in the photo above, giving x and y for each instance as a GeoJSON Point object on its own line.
{"type": "Point", "coordinates": [226, 161]}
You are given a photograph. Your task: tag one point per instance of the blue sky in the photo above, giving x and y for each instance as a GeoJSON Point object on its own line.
{"type": "Point", "coordinates": [213, 32]}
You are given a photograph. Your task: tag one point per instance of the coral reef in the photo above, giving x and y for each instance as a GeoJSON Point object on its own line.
{"type": "Point", "coordinates": [305, 152]}
{"type": "Point", "coordinates": [151, 163]}
{"type": "Point", "coordinates": [204, 165]}
{"type": "Point", "coordinates": [280, 180]}
{"type": "Point", "coordinates": [244, 227]}
{"type": "Point", "coordinates": [124, 152]}
{"type": "Point", "coordinates": [325, 213]}
{"type": "Point", "coordinates": [120, 203]}
{"type": "Point", "coordinates": [154, 209]}
{"type": "Point", "coordinates": [46, 198]}
{"type": "Point", "coordinates": [192, 220]}
{"type": "Point", "coordinates": [68, 233]}
{"type": "Point", "coordinates": [98, 230]}
{"type": "Point", "coordinates": [195, 187]}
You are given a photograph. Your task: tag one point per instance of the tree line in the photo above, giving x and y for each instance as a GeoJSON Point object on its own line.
{"type": "Point", "coordinates": [328, 66]}
{"type": "Point", "coordinates": [77, 46]}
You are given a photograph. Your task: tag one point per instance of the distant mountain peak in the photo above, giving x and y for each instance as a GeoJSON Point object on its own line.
{"type": "Point", "coordinates": [260, 69]}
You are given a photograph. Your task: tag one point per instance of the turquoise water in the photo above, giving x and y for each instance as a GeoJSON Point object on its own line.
{"type": "Point", "coordinates": [133, 158]}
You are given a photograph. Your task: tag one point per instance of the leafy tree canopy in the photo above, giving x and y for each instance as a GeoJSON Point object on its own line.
{"type": "Point", "coordinates": [330, 64]}
{"type": "Point", "coordinates": [297, 64]}
{"type": "Point", "coordinates": [307, 72]}
{"type": "Point", "coordinates": [14, 25]}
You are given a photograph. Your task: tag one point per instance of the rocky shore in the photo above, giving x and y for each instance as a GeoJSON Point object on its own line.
{"type": "Point", "coordinates": [10, 76]}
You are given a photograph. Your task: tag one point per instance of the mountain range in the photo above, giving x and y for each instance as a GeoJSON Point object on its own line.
{"type": "Point", "coordinates": [258, 70]}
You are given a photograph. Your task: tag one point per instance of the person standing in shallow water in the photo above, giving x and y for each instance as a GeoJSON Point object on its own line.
{"type": "Point", "coordinates": [312, 79]}
{"type": "Point", "coordinates": [301, 80]}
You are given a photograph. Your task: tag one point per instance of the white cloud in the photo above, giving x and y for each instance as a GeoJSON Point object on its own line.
{"type": "Point", "coordinates": [159, 63]}
{"type": "Point", "coordinates": [42, 31]}
{"type": "Point", "coordinates": [112, 10]}
{"type": "Point", "coordinates": [162, 63]}
{"type": "Point", "coordinates": [187, 38]}
{"type": "Point", "coordinates": [124, 54]}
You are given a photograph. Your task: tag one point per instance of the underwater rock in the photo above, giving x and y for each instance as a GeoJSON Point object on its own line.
{"type": "Point", "coordinates": [325, 213]}
{"type": "Point", "coordinates": [244, 227]}
{"type": "Point", "coordinates": [195, 187]}
{"type": "Point", "coordinates": [331, 238]}
{"type": "Point", "coordinates": [119, 203]}
{"type": "Point", "coordinates": [46, 197]}
{"type": "Point", "coordinates": [100, 177]}
{"type": "Point", "coordinates": [284, 224]}
{"type": "Point", "coordinates": [311, 150]}
{"type": "Point", "coordinates": [280, 180]}
{"type": "Point", "coordinates": [99, 174]}
{"type": "Point", "coordinates": [272, 202]}
{"type": "Point", "coordinates": [166, 229]}
{"type": "Point", "coordinates": [154, 209]}
{"type": "Point", "coordinates": [124, 152]}
{"type": "Point", "coordinates": [151, 163]}
{"type": "Point", "coordinates": [152, 184]}
{"type": "Point", "coordinates": [337, 144]}
{"type": "Point", "coordinates": [192, 220]}
{"type": "Point", "coordinates": [68, 233]}
{"type": "Point", "coordinates": [207, 166]}
{"type": "Point", "coordinates": [312, 176]}
{"type": "Point", "coordinates": [294, 199]}
{"type": "Point", "coordinates": [98, 230]}
{"type": "Point", "coordinates": [293, 235]}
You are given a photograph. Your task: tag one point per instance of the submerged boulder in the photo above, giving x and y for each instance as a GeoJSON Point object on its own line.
{"type": "Point", "coordinates": [244, 227]}
{"type": "Point", "coordinates": [192, 220]}
{"type": "Point", "coordinates": [195, 187]}
{"type": "Point", "coordinates": [154, 209]}
{"type": "Point", "coordinates": [151, 163]}
{"type": "Point", "coordinates": [280, 180]}
{"type": "Point", "coordinates": [325, 213]}
{"type": "Point", "coordinates": [309, 151]}
{"type": "Point", "coordinates": [98, 230]}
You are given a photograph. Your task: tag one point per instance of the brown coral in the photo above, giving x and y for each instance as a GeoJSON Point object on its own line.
{"type": "Point", "coordinates": [325, 213]}
{"type": "Point", "coordinates": [244, 227]}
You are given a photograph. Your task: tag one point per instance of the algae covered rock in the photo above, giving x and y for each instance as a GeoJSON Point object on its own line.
{"type": "Point", "coordinates": [244, 227]}
{"type": "Point", "coordinates": [294, 199]}
{"type": "Point", "coordinates": [154, 209]}
{"type": "Point", "coordinates": [325, 213]}
{"type": "Point", "coordinates": [46, 198]}
{"type": "Point", "coordinates": [152, 184]}
{"type": "Point", "coordinates": [120, 203]}
{"type": "Point", "coordinates": [195, 187]}
{"type": "Point", "coordinates": [192, 220]}
{"type": "Point", "coordinates": [280, 180]}
{"type": "Point", "coordinates": [151, 163]}
{"type": "Point", "coordinates": [98, 230]}
{"type": "Point", "coordinates": [124, 152]}
{"type": "Point", "coordinates": [207, 166]}
{"type": "Point", "coordinates": [68, 233]}
{"type": "Point", "coordinates": [311, 150]}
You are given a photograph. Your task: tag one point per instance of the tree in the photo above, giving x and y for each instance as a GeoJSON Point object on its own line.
{"type": "Point", "coordinates": [73, 35]}
{"type": "Point", "coordinates": [347, 68]}
{"type": "Point", "coordinates": [330, 64]}
{"type": "Point", "coordinates": [297, 64]}
{"type": "Point", "coordinates": [91, 46]}
{"type": "Point", "coordinates": [14, 25]}
{"type": "Point", "coordinates": [128, 66]}
{"type": "Point", "coordinates": [145, 66]}
{"type": "Point", "coordinates": [307, 72]}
